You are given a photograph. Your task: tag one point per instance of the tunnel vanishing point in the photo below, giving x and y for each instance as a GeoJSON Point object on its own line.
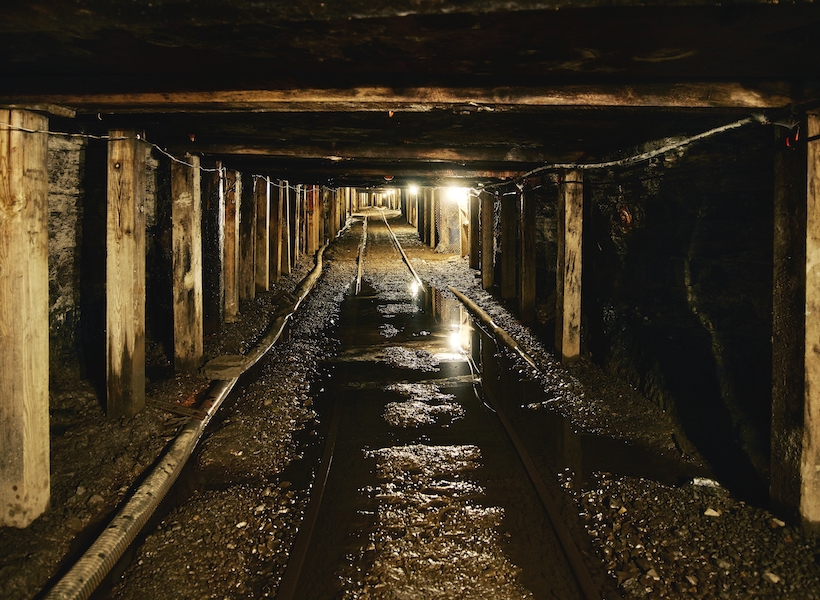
{"type": "Point", "coordinates": [639, 180]}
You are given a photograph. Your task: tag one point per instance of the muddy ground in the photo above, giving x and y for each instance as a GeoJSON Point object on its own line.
{"type": "Point", "coordinates": [642, 537]}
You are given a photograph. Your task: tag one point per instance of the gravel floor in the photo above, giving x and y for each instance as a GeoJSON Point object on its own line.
{"type": "Point", "coordinates": [642, 538]}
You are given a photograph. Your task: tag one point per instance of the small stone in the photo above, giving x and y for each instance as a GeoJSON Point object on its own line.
{"type": "Point", "coordinates": [771, 577]}
{"type": "Point", "coordinates": [241, 524]}
{"type": "Point", "coordinates": [80, 490]}
{"type": "Point", "coordinates": [692, 579]}
{"type": "Point", "coordinates": [653, 574]}
{"type": "Point", "coordinates": [711, 512]}
{"type": "Point", "coordinates": [775, 523]}
{"type": "Point", "coordinates": [95, 499]}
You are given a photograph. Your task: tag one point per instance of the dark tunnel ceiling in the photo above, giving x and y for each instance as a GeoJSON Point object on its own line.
{"type": "Point", "coordinates": [476, 88]}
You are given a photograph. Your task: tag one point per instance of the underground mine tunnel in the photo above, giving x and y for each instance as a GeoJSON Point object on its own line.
{"type": "Point", "coordinates": [457, 299]}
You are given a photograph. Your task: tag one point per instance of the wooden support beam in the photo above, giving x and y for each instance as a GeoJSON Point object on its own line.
{"type": "Point", "coordinates": [213, 248]}
{"type": "Point", "coordinates": [475, 211]}
{"type": "Point", "coordinates": [526, 237]}
{"type": "Point", "coordinates": [186, 217]}
{"type": "Point", "coordinates": [509, 247]}
{"type": "Point", "coordinates": [247, 242]}
{"type": "Point", "coordinates": [568, 272]}
{"type": "Point", "coordinates": [277, 195]}
{"type": "Point", "coordinates": [433, 216]}
{"type": "Point", "coordinates": [810, 457]}
{"type": "Point", "coordinates": [125, 275]}
{"type": "Point", "coordinates": [296, 226]}
{"type": "Point", "coordinates": [233, 194]}
{"type": "Point", "coordinates": [24, 420]}
{"type": "Point", "coordinates": [487, 240]}
{"type": "Point", "coordinates": [287, 240]}
{"type": "Point", "coordinates": [333, 218]}
{"type": "Point", "coordinates": [425, 99]}
{"type": "Point", "coordinates": [261, 191]}
{"type": "Point", "coordinates": [312, 214]}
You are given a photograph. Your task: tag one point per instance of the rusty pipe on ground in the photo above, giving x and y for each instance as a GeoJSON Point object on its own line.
{"type": "Point", "coordinates": [92, 567]}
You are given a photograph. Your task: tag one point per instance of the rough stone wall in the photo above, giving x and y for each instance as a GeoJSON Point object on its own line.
{"type": "Point", "coordinates": [678, 292]}
{"type": "Point", "coordinates": [66, 164]}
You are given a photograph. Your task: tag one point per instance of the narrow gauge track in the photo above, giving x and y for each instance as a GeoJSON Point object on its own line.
{"type": "Point", "coordinates": [424, 462]}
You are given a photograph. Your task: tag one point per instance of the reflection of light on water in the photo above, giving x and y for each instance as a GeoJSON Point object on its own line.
{"type": "Point", "coordinates": [455, 341]}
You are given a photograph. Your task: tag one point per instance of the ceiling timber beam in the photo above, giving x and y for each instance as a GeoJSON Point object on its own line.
{"type": "Point", "coordinates": [425, 99]}
{"type": "Point", "coordinates": [500, 153]}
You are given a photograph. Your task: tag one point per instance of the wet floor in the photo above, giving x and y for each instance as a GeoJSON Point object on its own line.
{"type": "Point", "coordinates": [426, 497]}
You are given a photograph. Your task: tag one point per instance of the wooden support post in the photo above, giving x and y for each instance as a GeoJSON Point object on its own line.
{"type": "Point", "coordinates": [24, 441]}
{"type": "Point", "coordinates": [287, 244]}
{"type": "Point", "coordinates": [296, 226]}
{"type": "Point", "coordinates": [526, 279]}
{"type": "Point", "coordinates": [213, 249]}
{"type": "Point", "coordinates": [487, 240]}
{"type": "Point", "coordinates": [334, 214]}
{"type": "Point", "coordinates": [247, 242]}
{"type": "Point", "coordinates": [474, 229]}
{"type": "Point", "coordinates": [433, 213]}
{"type": "Point", "coordinates": [125, 276]}
{"type": "Point", "coordinates": [261, 190]}
{"type": "Point", "coordinates": [568, 272]}
{"type": "Point", "coordinates": [509, 247]}
{"type": "Point", "coordinates": [810, 457]}
{"type": "Point", "coordinates": [312, 212]}
{"type": "Point", "coordinates": [277, 194]}
{"type": "Point", "coordinates": [186, 216]}
{"type": "Point", "coordinates": [233, 193]}
{"type": "Point", "coordinates": [420, 221]}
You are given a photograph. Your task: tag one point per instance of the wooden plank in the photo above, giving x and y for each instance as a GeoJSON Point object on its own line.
{"type": "Point", "coordinates": [186, 217]}
{"type": "Point", "coordinates": [475, 211]}
{"type": "Point", "coordinates": [810, 457]}
{"type": "Point", "coordinates": [125, 275]}
{"type": "Point", "coordinates": [287, 243]}
{"type": "Point", "coordinates": [233, 193]}
{"type": "Point", "coordinates": [24, 326]}
{"type": "Point", "coordinates": [261, 191]}
{"type": "Point", "coordinates": [433, 216]}
{"type": "Point", "coordinates": [526, 279]}
{"type": "Point", "coordinates": [333, 218]}
{"type": "Point", "coordinates": [568, 272]}
{"type": "Point", "coordinates": [788, 323]}
{"type": "Point", "coordinates": [509, 247]}
{"type": "Point", "coordinates": [425, 99]}
{"type": "Point", "coordinates": [213, 248]}
{"type": "Point", "coordinates": [247, 242]}
{"type": "Point", "coordinates": [487, 240]}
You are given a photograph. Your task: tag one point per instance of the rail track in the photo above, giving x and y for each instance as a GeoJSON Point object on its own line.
{"type": "Point", "coordinates": [423, 481]}
{"type": "Point", "coordinates": [360, 384]}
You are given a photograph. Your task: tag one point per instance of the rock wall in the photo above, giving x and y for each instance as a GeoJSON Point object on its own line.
{"type": "Point", "coordinates": [678, 292]}
{"type": "Point", "coordinates": [66, 164]}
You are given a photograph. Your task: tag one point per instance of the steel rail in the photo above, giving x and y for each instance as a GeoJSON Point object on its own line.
{"type": "Point", "coordinates": [573, 555]}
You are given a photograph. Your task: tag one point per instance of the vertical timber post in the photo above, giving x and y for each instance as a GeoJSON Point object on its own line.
{"type": "Point", "coordinates": [125, 276]}
{"type": "Point", "coordinates": [509, 246]}
{"type": "Point", "coordinates": [487, 240]}
{"type": "Point", "coordinates": [186, 215]}
{"type": "Point", "coordinates": [810, 458]}
{"type": "Point", "coordinates": [24, 419]}
{"type": "Point", "coordinates": [474, 229]}
{"type": "Point", "coordinates": [213, 249]}
{"type": "Point", "coordinates": [261, 190]}
{"type": "Point", "coordinates": [276, 193]}
{"type": "Point", "coordinates": [526, 293]}
{"type": "Point", "coordinates": [247, 242]}
{"type": "Point", "coordinates": [568, 272]}
{"type": "Point", "coordinates": [432, 208]}
{"type": "Point", "coordinates": [287, 261]}
{"type": "Point", "coordinates": [233, 193]}
{"type": "Point", "coordinates": [295, 225]}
